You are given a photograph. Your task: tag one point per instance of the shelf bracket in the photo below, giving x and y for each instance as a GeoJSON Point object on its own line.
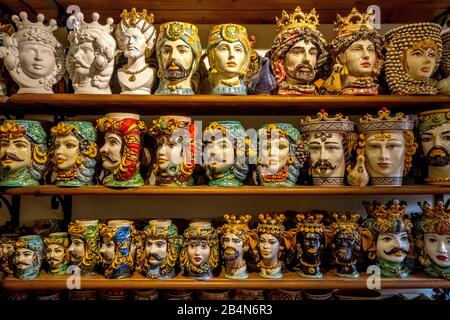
{"type": "Point", "coordinates": [65, 202]}
{"type": "Point", "coordinates": [13, 207]}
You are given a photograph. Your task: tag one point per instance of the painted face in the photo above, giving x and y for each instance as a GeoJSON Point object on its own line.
{"type": "Point", "coordinates": [274, 154]}
{"type": "Point", "coordinates": [134, 43]}
{"type": "Point", "coordinates": [83, 58]}
{"type": "Point", "coordinates": [177, 59]}
{"type": "Point", "coordinates": [76, 250]}
{"type": "Point", "coordinates": [269, 246]}
{"type": "Point", "coordinates": [344, 246]}
{"type": "Point", "coordinates": [199, 252]}
{"type": "Point", "coordinates": [67, 149]}
{"type": "Point", "coordinates": [15, 154]}
{"type": "Point", "coordinates": [392, 247]}
{"type": "Point", "coordinates": [156, 251]}
{"type": "Point", "coordinates": [436, 145]}
{"type": "Point", "coordinates": [420, 63]}
{"type": "Point", "coordinates": [219, 154]}
{"type": "Point", "coordinates": [55, 255]}
{"type": "Point", "coordinates": [300, 62]}
{"type": "Point", "coordinates": [311, 244]}
{"type": "Point", "coordinates": [6, 250]}
{"type": "Point", "coordinates": [170, 151]}
{"type": "Point", "coordinates": [360, 58]}
{"type": "Point", "coordinates": [107, 250]}
{"type": "Point", "coordinates": [233, 247]}
{"type": "Point", "coordinates": [385, 153]}
{"type": "Point", "coordinates": [24, 258]}
{"type": "Point", "coordinates": [438, 248]}
{"type": "Point", "coordinates": [326, 154]}
{"type": "Point", "coordinates": [37, 61]}
{"type": "Point", "coordinates": [111, 151]}
{"type": "Point", "coordinates": [230, 57]}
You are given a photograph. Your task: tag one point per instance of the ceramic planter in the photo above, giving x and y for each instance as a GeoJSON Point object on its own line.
{"type": "Point", "coordinates": [56, 254]}
{"type": "Point", "coordinates": [7, 252]}
{"type": "Point", "coordinates": [84, 247]}
{"type": "Point", "coordinates": [28, 257]}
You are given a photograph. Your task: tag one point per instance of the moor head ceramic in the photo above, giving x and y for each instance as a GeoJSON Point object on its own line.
{"type": "Point", "coordinates": [434, 130]}
{"type": "Point", "coordinates": [384, 151]}
{"type": "Point", "coordinates": [236, 239]}
{"type": "Point", "coordinates": [56, 253]}
{"type": "Point", "coordinates": [200, 253]}
{"type": "Point", "coordinates": [330, 142]}
{"type": "Point", "coordinates": [6, 31]}
{"type": "Point", "coordinates": [32, 55]}
{"type": "Point", "coordinates": [229, 51]}
{"type": "Point", "coordinates": [74, 153]}
{"type": "Point", "coordinates": [28, 257]}
{"type": "Point", "coordinates": [7, 251]}
{"type": "Point", "coordinates": [90, 59]}
{"type": "Point", "coordinates": [444, 84]}
{"type": "Point", "coordinates": [281, 155]}
{"type": "Point", "coordinates": [84, 247]}
{"type": "Point", "coordinates": [391, 232]}
{"type": "Point", "coordinates": [224, 153]}
{"type": "Point", "coordinates": [178, 50]}
{"type": "Point", "coordinates": [297, 53]}
{"type": "Point", "coordinates": [175, 150]}
{"type": "Point", "coordinates": [23, 153]}
{"type": "Point", "coordinates": [413, 52]}
{"type": "Point", "coordinates": [136, 37]}
{"type": "Point", "coordinates": [122, 149]}
{"type": "Point", "coordinates": [432, 231]}
{"type": "Point", "coordinates": [161, 247]}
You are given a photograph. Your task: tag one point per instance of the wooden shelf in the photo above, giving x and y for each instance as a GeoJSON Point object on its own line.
{"type": "Point", "coordinates": [290, 280]}
{"type": "Point", "coordinates": [203, 190]}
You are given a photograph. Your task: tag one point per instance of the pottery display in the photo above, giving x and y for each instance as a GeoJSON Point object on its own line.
{"type": "Point", "coordinates": [6, 31]}
{"type": "Point", "coordinates": [90, 59]}
{"type": "Point", "coordinates": [28, 257]}
{"type": "Point", "coordinates": [330, 142]}
{"type": "Point", "coordinates": [56, 253]}
{"type": "Point", "coordinates": [84, 247]}
{"type": "Point", "coordinates": [73, 152]}
{"type": "Point", "coordinates": [122, 149]}
{"type": "Point", "coordinates": [23, 153]}
{"type": "Point", "coordinates": [178, 50]}
{"type": "Point", "coordinates": [7, 252]}
{"type": "Point", "coordinates": [136, 37]}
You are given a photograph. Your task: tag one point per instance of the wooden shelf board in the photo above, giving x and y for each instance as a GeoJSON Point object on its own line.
{"type": "Point", "coordinates": [290, 280]}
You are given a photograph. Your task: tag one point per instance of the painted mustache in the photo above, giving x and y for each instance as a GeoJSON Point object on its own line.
{"type": "Point", "coordinates": [395, 250]}
{"type": "Point", "coordinates": [304, 72]}
{"type": "Point", "coordinates": [107, 156]}
{"type": "Point", "coordinates": [230, 253]}
{"type": "Point", "coordinates": [11, 156]}
{"type": "Point", "coordinates": [175, 71]}
{"type": "Point", "coordinates": [323, 164]}
{"type": "Point", "coordinates": [155, 256]}
{"type": "Point", "coordinates": [438, 157]}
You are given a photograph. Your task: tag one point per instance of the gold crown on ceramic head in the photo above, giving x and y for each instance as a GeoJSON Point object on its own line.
{"type": "Point", "coordinates": [235, 220]}
{"type": "Point", "coordinates": [394, 209]}
{"type": "Point", "coordinates": [438, 212]}
{"type": "Point", "coordinates": [79, 24]}
{"type": "Point", "coordinates": [132, 18]}
{"type": "Point", "coordinates": [271, 223]}
{"type": "Point", "coordinates": [310, 222]}
{"type": "Point", "coordinates": [22, 22]}
{"type": "Point", "coordinates": [11, 130]}
{"type": "Point", "coordinates": [325, 123]}
{"type": "Point", "coordinates": [354, 21]}
{"type": "Point", "coordinates": [347, 221]}
{"type": "Point", "coordinates": [298, 19]}
{"type": "Point", "coordinates": [385, 122]}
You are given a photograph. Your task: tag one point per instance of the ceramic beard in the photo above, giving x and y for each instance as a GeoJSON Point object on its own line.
{"type": "Point", "coordinates": [200, 253]}
{"type": "Point", "coordinates": [281, 155]}
{"type": "Point", "coordinates": [90, 59]}
{"type": "Point", "coordinates": [413, 52]}
{"type": "Point", "coordinates": [28, 257]}
{"type": "Point", "coordinates": [444, 84]}
{"type": "Point", "coordinates": [32, 55]}
{"type": "Point", "coordinates": [434, 130]}
{"type": "Point", "coordinates": [84, 247]}
{"type": "Point", "coordinates": [7, 251]}
{"type": "Point", "coordinates": [390, 228]}
{"type": "Point", "coordinates": [57, 256]}
{"type": "Point", "coordinates": [122, 149]}
{"type": "Point", "coordinates": [229, 51]}
{"type": "Point", "coordinates": [432, 231]}
{"type": "Point", "coordinates": [330, 143]}
{"type": "Point", "coordinates": [161, 247]}
{"type": "Point", "coordinates": [178, 50]}
{"type": "Point", "coordinates": [136, 37]}
{"type": "Point", "coordinates": [357, 55]}
{"type": "Point", "coordinates": [23, 153]}
{"type": "Point", "coordinates": [224, 153]}
{"type": "Point", "coordinates": [74, 153]}
{"type": "Point", "coordinates": [385, 149]}
{"type": "Point", "coordinates": [6, 30]}
{"type": "Point", "coordinates": [175, 150]}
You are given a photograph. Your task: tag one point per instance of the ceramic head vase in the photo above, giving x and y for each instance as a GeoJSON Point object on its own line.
{"type": "Point", "coordinates": [33, 56]}
{"type": "Point", "coordinates": [236, 239]}
{"type": "Point", "coordinates": [357, 55]}
{"type": "Point", "coordinates": [298, 52]}
{"type": "Point", "coordinates": [434, 131]}
{"type": "Point", "coordinates": [200, 253]}
{"type": "Point", "coordinates": [90, 59]}
{"type": "Point", "coordinates": [6, 31]}
{"type": "Point", "coordinates": [23, 153]}
{"type": "Point", "coordinates": [7, 251]}
{"type": "Point", "coordinates": [122, 149]}
{"type": "Point", "coordinates": [161, 245]}
{"type": "Point", "coordinates": [281, 154]}
{"type": "Point", "coordinates": [229, 51]}
{"type": "Point", "coordinates": [330, 142]}
{"type": "Point", "coordinates": [175, 150]}
{"type": "Point", "coordinates": [178, 50]}
{"type": "Point", "coordinates": [56, 253]}
{"type": "Point", "coordinates": [74, 152]}
{"type": "Point", "coordinates": [225, 153]}
{"type": "Point", "coordinates": [28, 257]}
{"type": "Point", "coordinates": [136, 37]}
{"type": "Point", "coordinates": [413, 52]}
{"type": "Point", "coordinates": [384, 151]}
{"type": "Point", "coordinates": [84, 247]}
{"type": "Point", "coordinates": [432, 231]}
{"type": "Point", "coordinates": [391, 233]}
{"type": "Point", "coordinates": [444, 84]}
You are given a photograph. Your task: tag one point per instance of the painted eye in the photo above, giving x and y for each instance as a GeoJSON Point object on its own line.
{"type": "Point", "coordinates": [432, 240]}
{"type": "Point", "coordinates": [429, 139]}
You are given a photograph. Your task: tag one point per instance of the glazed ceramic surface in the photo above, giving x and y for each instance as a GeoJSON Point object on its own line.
{"type": "Point", "coordinates": [28, 257]}
{"type": "Point", "coordinates": [56, 253]}
{"type": "Point", "coordinates": [7, 252]}
{"type": "Point", "coordinates": [85, 245]}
